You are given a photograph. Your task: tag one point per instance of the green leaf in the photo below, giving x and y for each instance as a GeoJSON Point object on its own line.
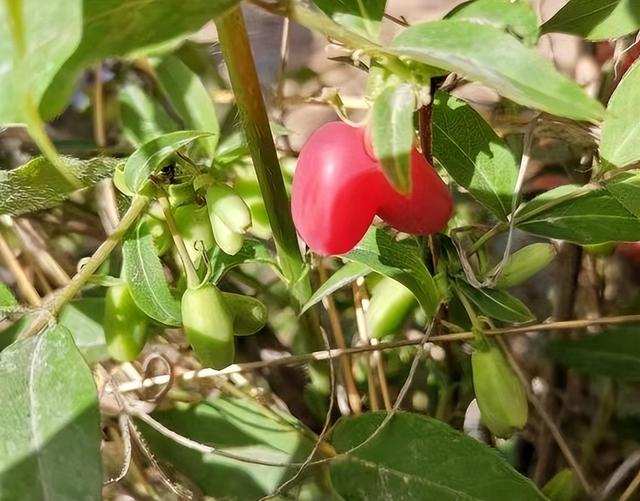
{"type": "Point", "coordinates": [625, 188]}
{"type": "Point", "coordinates": [252, 251]}
{"type": "Point", "coordinates": [515, 17]}
{"type": "Point", "coordinates": [490, 56]}
{"type": "Point", "coordinates": [152, 156]}
{"type": "Point", "coordinates": [400, 260]}
{"type": "Point", "coordinates": [11, 333]}
{"type": "Point", "coordinates": [49, 421]}
{"type": "Point", "coordinates": [105, 34]}
{"type": "Point", "coordinates": [345, 275]}
{"type": "Point", "coordinates": [249, 314]}
{"type": "Point", "coordinates": [238, 426]}
{"type": "Point", "coordinates": [420, 459]}
{"type": "Point", "coordinates": [141, 117]}
{"type": "Point", "coordinates": [579, 215]}
{"type": "Point", "coordinates": [190, 99]}
{"type": "Point", "coordinates": [392, 133]}
{"type": "Point", "coordinates": [614, 353]}
{"type": "Point", "coordinates": [473, 154]}
{"type": "Point", "coordinates": [496, 303]}
{"type": "Point", "coordinates": [49, 39]}
{"type": "Point", "coordinates": [596, 19]}
{"type": "Point", "coordinates": [38, 185]}
{"type": "Point", "coordinates": [7, 299]}
{"type": "Point", "coordinates": [620, 143]}
{"type": "Point", "coordinates": [146, 279]}
{"type": "Point", "coordinates": [361, 16]}
{"type": "Point", "coordinates": [83, 318]}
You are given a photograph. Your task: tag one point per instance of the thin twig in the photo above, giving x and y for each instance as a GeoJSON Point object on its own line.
{"type": "Point", "coordinates": [631, 489]}
{"type": "Point", "coordinates": [363, 334]}
{"type": "Point", "coordinates": [548, 420]}
{"type": "Point", "coordinates": [325, 355]}
{"type": "Point", "coordinates": [621, 472]}
{"type": "Point", "coordinates": [336, 329]}
{"type": "Point", "coordinates": [25, 287]}
{"type": "Point", "coordinates": [320, 440]}
{"type": "Point", "coordinates": [377, 358]}
{"type": "Point", "coordinates": [36, 247]}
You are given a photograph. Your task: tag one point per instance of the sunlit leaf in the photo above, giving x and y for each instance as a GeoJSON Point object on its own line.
{"type": "Point", "coordinates": [473, 154]}
{"type": "Point", "coordinates": [49, 421]}
{"type": "Point", "coordinates": [492, 57]}
{"type": "Point", "coordinates": [596, 19]}
{"type": "Point", "coordinates": [38, 185]}
{"type": "Point", "coordinates": [419, 458]}
{"type": "Point", "coordinates": [146, 279]}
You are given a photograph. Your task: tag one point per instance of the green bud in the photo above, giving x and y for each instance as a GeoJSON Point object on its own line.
{"type": "Point", "coordinates": [501, 397]}
{"type": "Point", "coordinates": [229, 241]}
{"type": "Point", "coordinates": [193, 225]}
{"type": "Point", "coordinates": [249, 314]}
{"type": "Point", "coordinates": [158, 230]}
{"type": "Point", "coordinates": [229, 207]}
{"type": "Point", "coordinates": [390, 304]}
{"type": "Point", "coordinates": [525, 263]}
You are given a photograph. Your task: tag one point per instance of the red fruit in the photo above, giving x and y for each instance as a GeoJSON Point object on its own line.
{"type": "Point", "coordinates": [628, 58]}
{"type": "Point", "coordinates": [338, 188]}
{"type": "Point", "coordinates": [428, 208]}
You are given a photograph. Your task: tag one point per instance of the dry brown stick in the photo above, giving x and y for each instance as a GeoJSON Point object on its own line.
{"type": "Point", "coordinates": [377, 358]}
{"type": "Point", "coordinates": [325, 355]}
{"type": "Point", "coordinates": [547, 418]}
{"type": "Point", "coordinates": [26, 288]}
{"type": "Point", "coordinates": [36, 247]}
{"type": "Point", "coordinates": [382, 376]}
{"type": "Point", "coordinates": [355, 403]}
{"type": "Point", "coordinates": [631, 489]}
{"type": "Point", "coordinates": [105, 193]}
{"type": "Point", "coordinates": [361, 324]}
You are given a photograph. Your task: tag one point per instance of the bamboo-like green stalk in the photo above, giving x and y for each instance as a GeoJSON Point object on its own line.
{"type": "Point", "coordinates": [243, 75]}
{"type": "Point", "coordinates": [246, 87]}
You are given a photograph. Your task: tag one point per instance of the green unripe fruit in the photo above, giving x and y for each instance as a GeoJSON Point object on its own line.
{"type": "Point", "coordinates": [228, 206]}
{"type": "Point", "coordinates": [249, 314]}
{"type": "Point", "coordinates": [390, 304]}
{"type": "Point", "coordinates": [229, 215]}
{"type": "Point", "coordinates": [229, 241]}
{"type": "Point", "coordinates": [501, 398]}
{"type": "Point", "coordinates": [249, 190]}
{"type": "Point", "coordinates": [564, 486]}
{"type": "Point", "coordinates": [126, 327]}
{"type": "Point", "coordinates": [208, 325]}
{"type": "Point", "coordinates": [525, 263]}
{"type": "Point", "coordinates": [194, 226]}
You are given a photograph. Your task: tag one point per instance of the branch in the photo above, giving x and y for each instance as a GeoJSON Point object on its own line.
{"type": "Point", "coordinates": [327, 354]}
{"type": "Point", "coordinates": [51, 309]}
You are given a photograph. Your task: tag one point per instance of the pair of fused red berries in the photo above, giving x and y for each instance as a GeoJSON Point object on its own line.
{"type": "Point", "coordinates": [339, 187]}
